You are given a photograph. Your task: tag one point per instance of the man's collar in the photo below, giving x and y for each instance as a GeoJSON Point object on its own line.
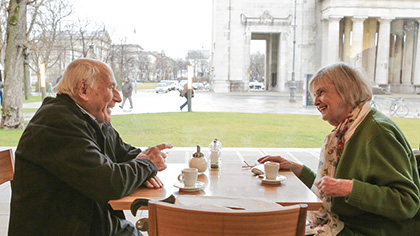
{"type": "Point", "coordinates": [86, 112]}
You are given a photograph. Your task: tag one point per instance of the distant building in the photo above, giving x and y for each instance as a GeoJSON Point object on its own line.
{"type": "Point", "coordinates": [380, 36]}
{"type": "Point", "coordinates": [68, 47]}
{"type": "Point", "coordinates": [124, 60]}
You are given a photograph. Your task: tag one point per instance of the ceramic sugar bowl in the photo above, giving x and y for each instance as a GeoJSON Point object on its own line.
{"type": "Point", "coordinates": [198, 161]}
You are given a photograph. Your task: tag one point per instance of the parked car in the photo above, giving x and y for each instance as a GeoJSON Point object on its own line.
{"type": "Point", "coordinates": [161, 88]}
{"type": "Point", "coordinates": [256, 85]}
{"type": "Point", "coordinates": [171, 84]}
{"type": "Point", "coordinates": [197, 86]}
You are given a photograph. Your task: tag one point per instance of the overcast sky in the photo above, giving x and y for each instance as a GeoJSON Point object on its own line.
{"type": "Point", "coordinates": [174, 26]}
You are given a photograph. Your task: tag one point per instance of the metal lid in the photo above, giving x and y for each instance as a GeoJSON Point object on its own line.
{"type": "Point", "coordinates": [198, 153]}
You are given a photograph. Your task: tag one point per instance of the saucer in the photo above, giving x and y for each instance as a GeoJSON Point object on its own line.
{"type": "Point", "coordinates": [198, 186]}
{"type": "Point", "coordinates": [277, 180]}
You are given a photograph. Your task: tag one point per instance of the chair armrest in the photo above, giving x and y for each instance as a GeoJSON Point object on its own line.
{"type": "Point", "coordinates": [144, 202]}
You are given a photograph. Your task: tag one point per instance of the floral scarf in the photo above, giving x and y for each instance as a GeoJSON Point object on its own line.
{"type": "Point", "coordinates": [323, 222]}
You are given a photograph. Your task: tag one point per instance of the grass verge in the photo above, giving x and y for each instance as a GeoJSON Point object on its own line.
{"type": "Point", "coordinates": [188, 129]}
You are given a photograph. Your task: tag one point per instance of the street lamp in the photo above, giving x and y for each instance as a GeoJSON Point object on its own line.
{"type": "Point", "coordinates": [189, 92]}
{"type": "Point", "coordinates": [292, 84]}
{"type": "Point", "coordinates": [26, 76]}
{"type": "Point", "coordinates": [42, 75]}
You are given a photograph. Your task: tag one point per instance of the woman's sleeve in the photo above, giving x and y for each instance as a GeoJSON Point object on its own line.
{"type": "Point", "coordinates": [307, 176]}
{"type": "Point", "coordinates": [390, 185]}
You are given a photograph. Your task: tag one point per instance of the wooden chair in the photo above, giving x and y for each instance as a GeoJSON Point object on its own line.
{"type": "Point", "coordinates": [169, 219]}
{"type": "Point", "coordinates": [7, 166]}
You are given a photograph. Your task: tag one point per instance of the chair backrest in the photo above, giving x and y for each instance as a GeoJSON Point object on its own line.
{"type": "Point", "coordinates": [7, 166]}
{"type": "Point", "coordinates": [170, 219]}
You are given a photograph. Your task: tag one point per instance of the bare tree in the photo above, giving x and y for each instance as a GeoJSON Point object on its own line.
{"type": "Point", "coordinates": [257, 67]}
{"type": "Point", "coordinates": [12, 115]}
{"type": "Point", "coordinates": [16, 50]}
{"type": "Point", "coordinates": [83, 36]}
{"type": "Point", "coordinates": [3, 21]}
{"type": "Point", "coordinates": [180, 67]}
{"type": "Point", "coordinates": [199, 60]}
{"type": "Point", "coordinates": [47, 44]}
{"type": "Point", "coordinates": [144, 66]}
{"type": "Point", "coordinates": [118, 60]}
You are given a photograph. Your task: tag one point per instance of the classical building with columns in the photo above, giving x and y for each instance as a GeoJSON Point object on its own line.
{"type": "Point", "coordinates": [380, 36]}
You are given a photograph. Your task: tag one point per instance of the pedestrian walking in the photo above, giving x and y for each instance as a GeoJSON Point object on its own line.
{"type": "Point", "coordinates": [184, 93]}
{"type": "Point", "coordinates": [50, 89]}
{"type": "Point", "coordinates": [127, 91]}
{"type": "Point", "coordinates": [59, 78]}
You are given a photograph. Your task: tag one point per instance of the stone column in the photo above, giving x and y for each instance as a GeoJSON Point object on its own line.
{"type": "Point", "coordinates": [247, 57]}
{"type": "Point", "coordinates": [357, 38]}
{"type": "Point", "coordinates": [416, 80]}
{"type": "Point", "coordinates": [382, 57]}
{"type": "Point", "coordinates": [324, 42]}
{"type": "Point", "coordinates": [269, 58]}
{"type": "Point", "coordinates": [346, 45]}
{"type": "Point", "coordinates": [333, 39]}
{"type": "Point", "coordinates": [370, 48]}
{"type": "Point", "coordinates": [408, 53]}
{"type": "Point", "coordinates": [284, 62]}
{"type": "Point", "coordinates": [396, 55]}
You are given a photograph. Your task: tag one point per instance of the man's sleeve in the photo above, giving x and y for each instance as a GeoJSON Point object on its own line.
{"type": "Point", "coordinates": [75, 157]}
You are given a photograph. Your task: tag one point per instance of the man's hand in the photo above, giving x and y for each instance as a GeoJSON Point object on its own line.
{"type": "Point", "coordinates": [153, 182]}
{"type": "Point", "coordinates": [155, 155]}
{"type": "Point", "coordinates": [332, 187]}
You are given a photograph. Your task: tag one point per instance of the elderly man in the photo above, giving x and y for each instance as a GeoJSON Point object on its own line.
{"type": "Point", "coordinates": [70, 161]}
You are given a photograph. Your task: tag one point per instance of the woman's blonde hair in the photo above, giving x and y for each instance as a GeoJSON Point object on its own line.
{"type": "Point", "coordinates": [88, 70]}
{"type": "Point", "coordinates": [351, 83]}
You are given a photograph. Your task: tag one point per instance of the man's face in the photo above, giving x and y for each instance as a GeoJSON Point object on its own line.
{"type": "Point", "coordinates": [102, 97]}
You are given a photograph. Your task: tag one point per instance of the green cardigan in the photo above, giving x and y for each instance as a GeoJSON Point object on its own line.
{"type": "Point", "coordinates": [385, 196]}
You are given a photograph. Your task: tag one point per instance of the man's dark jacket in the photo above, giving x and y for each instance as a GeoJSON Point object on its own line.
{"type": "Point", "coordinates": [67, 169]}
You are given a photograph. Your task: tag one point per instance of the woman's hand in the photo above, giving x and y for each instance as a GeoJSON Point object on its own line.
{"type": "Point", "coordinates": [284, 163]}
{"type": "Point", "coordinates": [332, 187]}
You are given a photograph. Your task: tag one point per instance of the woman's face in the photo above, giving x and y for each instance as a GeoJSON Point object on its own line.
{"type": "Point", "coordinates": [329, 102]}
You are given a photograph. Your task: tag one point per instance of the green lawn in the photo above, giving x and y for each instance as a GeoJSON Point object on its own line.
{"type": "Point", "coordinates": [188, 129]}
{"type": "Point", "coordinates": [32, 99]}
{"type": "Point", "coordinates": [146, 85]}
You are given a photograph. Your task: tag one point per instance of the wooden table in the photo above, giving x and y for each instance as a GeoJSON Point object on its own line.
{"type": "Point", "coordinates": [230, 180]}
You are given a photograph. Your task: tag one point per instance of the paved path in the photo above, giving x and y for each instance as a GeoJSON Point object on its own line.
{"type": "Point", "coordinates": [147, 101]}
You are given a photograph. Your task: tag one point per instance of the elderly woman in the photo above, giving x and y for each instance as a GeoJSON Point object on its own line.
{"type": "Point", "coordinates": [367, 176]}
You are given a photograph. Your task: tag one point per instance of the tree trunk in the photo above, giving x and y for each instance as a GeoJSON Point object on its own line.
{"type": "Point", "coordinates": [12, 115]}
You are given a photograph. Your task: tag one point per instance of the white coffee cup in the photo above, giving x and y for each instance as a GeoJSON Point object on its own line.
{"type": "Point", "coordinates": [271, 169]}
{"type": "Point", "coordinates": [188, 177]}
